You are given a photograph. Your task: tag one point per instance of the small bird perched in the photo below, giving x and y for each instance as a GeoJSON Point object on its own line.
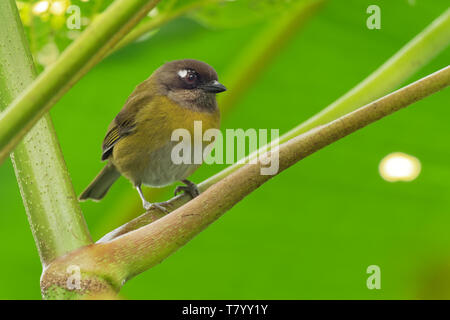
{"type": "Point", "coordinates": [138, 143]}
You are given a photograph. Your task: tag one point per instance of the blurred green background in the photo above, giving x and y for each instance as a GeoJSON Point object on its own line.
{"type": "Point", "coordinates": [312, 231]}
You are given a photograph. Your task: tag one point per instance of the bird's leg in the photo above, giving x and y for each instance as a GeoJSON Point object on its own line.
{"type": "Point", "coordinates": [189, 187]}
{"type": "Point", "coordinates": [147, 205]}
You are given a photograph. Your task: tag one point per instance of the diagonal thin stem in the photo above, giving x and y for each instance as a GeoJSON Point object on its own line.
{"type": "Point", "coordinates": [263, 49]}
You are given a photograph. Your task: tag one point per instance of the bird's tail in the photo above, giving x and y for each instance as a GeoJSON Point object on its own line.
{"type": "Point", "coordinates": [97, 189]}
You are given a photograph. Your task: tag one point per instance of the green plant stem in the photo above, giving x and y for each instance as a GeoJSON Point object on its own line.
{"type": "Point", "coordinates": [136, 251]}
{"type": "Point", "coordinates": [50, 201]}
{"type": "Point", "coordinates": [92, 45]}
{"type": "Point", "coordinates": [408, 60]}
{"type": "Point", "coordinates": [420, 50]}
{"type": "Point", "coordinates": [262, 50]}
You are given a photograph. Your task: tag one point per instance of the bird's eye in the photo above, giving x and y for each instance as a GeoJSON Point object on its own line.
{"type": "Point", "coordinates": [191, 78]}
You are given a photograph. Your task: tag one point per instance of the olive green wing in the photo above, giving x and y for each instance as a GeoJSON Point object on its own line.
{"type": "Point", "coordinates": [116, 132]}
{"type": "Point", "coordinates": [124, 124]}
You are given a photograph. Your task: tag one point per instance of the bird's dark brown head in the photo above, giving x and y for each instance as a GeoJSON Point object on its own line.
{"type": "Point", "coordinates": [189, 82]}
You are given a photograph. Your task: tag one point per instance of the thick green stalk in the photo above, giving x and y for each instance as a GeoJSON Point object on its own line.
{"type": "Point", "coordinates": [93, 44]}
{"type": "Point", "coordinates": [415, 54]}
{"type": "Point", "coordinates": [134, 252]}
{"type": "Point", "coordinates": [50, 201]}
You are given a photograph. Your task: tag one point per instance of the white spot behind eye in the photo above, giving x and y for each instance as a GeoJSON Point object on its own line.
{"type": "Point", "coordinates": [183, 73]}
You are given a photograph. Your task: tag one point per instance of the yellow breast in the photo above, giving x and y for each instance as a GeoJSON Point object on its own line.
{"type": "Point", "coordinates": [155, 124]}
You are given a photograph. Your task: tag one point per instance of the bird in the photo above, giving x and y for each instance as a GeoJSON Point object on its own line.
{"type": "Point", "coordinates": [138, 142]}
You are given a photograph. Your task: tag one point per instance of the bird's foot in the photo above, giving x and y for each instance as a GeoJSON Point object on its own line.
{"type": "Point", "coordinates": [189, 187]}
{"type": "Point", "coordinates": [159, 205]}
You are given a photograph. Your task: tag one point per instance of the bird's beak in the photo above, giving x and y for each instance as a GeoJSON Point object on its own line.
{"type": "Point", "coordinates": [214, 87]}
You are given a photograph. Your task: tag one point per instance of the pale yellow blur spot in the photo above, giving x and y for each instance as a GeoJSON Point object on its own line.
{"type": "Point", "coordinates": [58, 7]}
{"type": "Point", "coordinates": [40, 7]}
{"type": "Point", "coordinates": [399, 166]}
{"type": "Point", "coordinates": [153, 13]}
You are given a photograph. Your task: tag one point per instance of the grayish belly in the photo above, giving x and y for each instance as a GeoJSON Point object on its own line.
{"type": "Point", "coordinates": [161, 171]}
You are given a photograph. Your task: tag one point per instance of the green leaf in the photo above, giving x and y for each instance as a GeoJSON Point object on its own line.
{"type": "Point", "coordinates": [45, 24]}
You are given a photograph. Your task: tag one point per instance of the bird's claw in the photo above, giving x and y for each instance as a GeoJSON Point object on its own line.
{"type": "Point", "coordinates": [149, 205]}
{"type": "Point", "coordinates": [189, 188]}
